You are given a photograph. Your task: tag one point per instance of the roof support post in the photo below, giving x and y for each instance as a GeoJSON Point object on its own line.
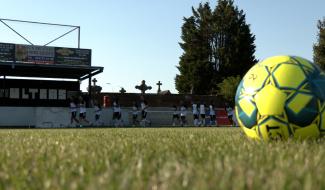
{"type": "Point", "coordinates": [89, 91]}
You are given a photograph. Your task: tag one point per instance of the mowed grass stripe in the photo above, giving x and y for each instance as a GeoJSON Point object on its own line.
{"type": "Point", "coordinates": [156, 158]}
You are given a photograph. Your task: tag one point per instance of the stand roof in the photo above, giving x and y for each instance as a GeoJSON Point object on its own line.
{"type": "Point", "coordinates": [48, 71]}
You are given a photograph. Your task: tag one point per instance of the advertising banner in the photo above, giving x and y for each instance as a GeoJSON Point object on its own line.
{"type": "Point", "coordinates": [7, 52]}
{"type": "Point", "coordinates": [33, 54]}
{"type": "Point", "coordinates": [72, 56]}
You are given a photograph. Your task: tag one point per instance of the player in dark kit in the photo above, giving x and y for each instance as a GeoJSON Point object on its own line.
{"type": "Point", "coordinates": [230, 112]}
{"type": "Point", "coordinates": [98, 110]}
{"type": "Point", "coordinates": [175, 115]}
{"type": "Point", "coordinates": [135, 111]}
{"type": "Point", "coordinates": [116, 114]}
{"type": "Point", "coordinates": [82, 111]}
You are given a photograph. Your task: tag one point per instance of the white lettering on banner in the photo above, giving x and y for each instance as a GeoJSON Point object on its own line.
{"type": "Point", "coordinates": [53, 94]}
{"type": "Point", "coordinates": [62, 94]}
{"type": "Point", "coordinates": [24, 95]}
{"type": "Point", "coordinates": [43, 94]}
{"type": "Point", "coordinates": [14, 93]}
{"type": "Point", "coordinates": [34, 93]}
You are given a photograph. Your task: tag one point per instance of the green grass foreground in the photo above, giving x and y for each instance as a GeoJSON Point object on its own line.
{"type": "Point", "coordinates": [156, 158]}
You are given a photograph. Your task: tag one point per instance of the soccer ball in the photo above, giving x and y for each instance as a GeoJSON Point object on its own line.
{"type": "Point", "coordinates": [282, 97]}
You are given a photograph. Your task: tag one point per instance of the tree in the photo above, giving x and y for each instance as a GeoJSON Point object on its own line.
{"type": "Point", "coordinates": [228, 87]}
{"type": "Point", "coordinates": [216, 44]}
{"type": "Point", "coordinates": [194, 66]}
{"type": "Point", "coordinates": [184, 81]}
{"type": "Point", "coordinates": [319, 48]}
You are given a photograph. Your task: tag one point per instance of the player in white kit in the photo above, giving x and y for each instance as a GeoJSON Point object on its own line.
{"type": "Point", "coordinates": [144, 111]}
{"type": "Point", "coordinates": [212, 114]}
{"type": "Point", "coordinates": [195, 114]}
{"type": "Point", "coordinates": [202, 114]}
{"type": "Point", "coordinates": [183, 114]}
{"type": "Point", "coordinates": [82, 111]}
{"type": "Point", "coordinates": [73, 111]}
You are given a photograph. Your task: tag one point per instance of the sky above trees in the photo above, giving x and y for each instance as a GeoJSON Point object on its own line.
{"type": "Point", "coordinates": [138, 40]}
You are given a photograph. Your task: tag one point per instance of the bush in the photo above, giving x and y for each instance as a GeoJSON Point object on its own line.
{"type": "Point", "coordinates": [228, 87]}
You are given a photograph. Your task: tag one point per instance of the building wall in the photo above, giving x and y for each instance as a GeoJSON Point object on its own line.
{"type": "Point", "coordinates": [43, 116]}
{"type": "Point", "coordinates": [56, 117]}
{"type": "Point", "coordinates": [47, 117]}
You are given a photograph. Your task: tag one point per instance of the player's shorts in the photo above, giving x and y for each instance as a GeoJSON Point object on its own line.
{"type": "Point", "coordinates": [230, 117]}
{"type": "Point", "coordinates": [116, 115]}
{"type": "Point", "coordinates": [97, 117]}
{"type": "Point", "coordinates": [143, 114]}
{"type": "Point", "coordinates": [202, 116]}
{"type": "Point", "coordinates": [134, 116]}
{"type": "Point", "coordinates": [82, 115]}
{"type": "Point", "coordinates": [212, 117]}
{"type": "Point", "coordinates": [74, 114]}
{"type": "Point", "coordinates": [195, 116]}
{"type": "Point", "coordinates": [175, 116]}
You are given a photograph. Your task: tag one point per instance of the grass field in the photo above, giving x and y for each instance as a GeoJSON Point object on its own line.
{"type": "Point", "coordinates": [156, 158]}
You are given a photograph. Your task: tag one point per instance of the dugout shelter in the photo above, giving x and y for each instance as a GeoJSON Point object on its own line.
{"type": "Point", "coordinates": [47, 76]}
{"type": "Point", "coordinates": [41, 75]}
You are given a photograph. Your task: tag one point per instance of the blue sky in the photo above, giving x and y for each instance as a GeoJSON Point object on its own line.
{"type": "Point", "coordinates": [138, 39]}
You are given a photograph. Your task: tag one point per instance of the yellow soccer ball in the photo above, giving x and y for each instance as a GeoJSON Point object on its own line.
{"type": "Point", "coordinates": [282, 97]}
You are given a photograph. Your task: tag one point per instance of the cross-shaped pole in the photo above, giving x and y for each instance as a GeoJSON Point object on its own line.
{"type": "Point", "coordinates": [94, 81]}
{"type": "Point", "coordinates": [159, 84]}
{"type": "Point", "coordinates": [122, 91]}
{"type": "Point", "coordinates": [143, 87]}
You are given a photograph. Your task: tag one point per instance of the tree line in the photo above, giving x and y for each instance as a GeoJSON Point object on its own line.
{"type": "Point", "coordinates": [218, 49]}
